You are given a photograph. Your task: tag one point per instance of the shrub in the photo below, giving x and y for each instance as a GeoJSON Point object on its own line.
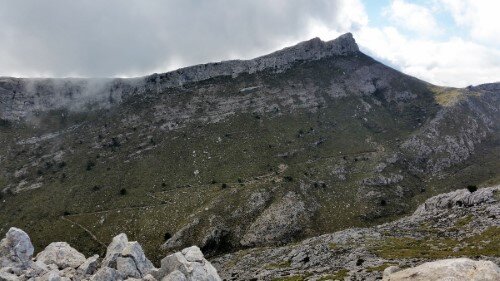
{"type": "Point", "coordinates": [472, 188]}
{"type": "Point", "coordinates": [167, 236]}
{"type": "Point", "coordinates": [123, 191]}
{"type": "Point", "coordinates": [224, 185]}
{"type": "Point", "coordinates": [90, 165]}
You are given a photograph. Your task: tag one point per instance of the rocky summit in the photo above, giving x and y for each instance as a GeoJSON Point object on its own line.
{"type": "Point", "coordinates": [247, 159]}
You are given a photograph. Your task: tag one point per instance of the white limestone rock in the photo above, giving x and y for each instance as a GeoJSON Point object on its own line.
{"type": "Point", "coordinates": [15, 248]}
{"type": "Point", "coordinates": [62, 255]}
{"type": "Point", "coordinates": [461, 269]}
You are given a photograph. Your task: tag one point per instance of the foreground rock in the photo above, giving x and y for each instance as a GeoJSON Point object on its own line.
{"type": "Point", "coordinates": [124, 260]}
{"type": "Point", "coordinates": [451, 269]}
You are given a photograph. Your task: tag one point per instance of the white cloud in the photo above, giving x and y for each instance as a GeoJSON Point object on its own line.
{"type": "Point", "coordinates": [453, 62]}
{"type": "Point", "coordinates": [416, 18]}
{"type": "Point", "coordinates": [480, 17]}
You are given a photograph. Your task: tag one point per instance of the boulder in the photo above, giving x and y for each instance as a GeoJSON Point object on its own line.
{"type": "Point", "coordinates": [106, 274]}
{"type": "Point", "coordinates": [89, 266]}
{"type": "Point", "coordinates": [15, 248]}
{"type": "Point", "coordinates": [189, 264]}
{"type": "Point", "coordinates": [127, 258]}
{"type": "Point", "coordinates": [461, 269]}
{"type": "Point", "coordinates": [62, 255]}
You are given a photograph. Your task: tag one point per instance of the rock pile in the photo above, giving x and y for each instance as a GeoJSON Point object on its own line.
{"type": "Point", "coordinates": [124, 260]}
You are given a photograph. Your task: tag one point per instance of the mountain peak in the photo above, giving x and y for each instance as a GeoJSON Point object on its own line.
{"type": "Point", "coordinates": [279, 61]}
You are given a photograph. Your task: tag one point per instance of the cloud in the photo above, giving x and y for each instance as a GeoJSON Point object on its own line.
{"type": "Point", "coordinates": [416, 18]}
{"type": "Point", "coordinates": [479, 17]}
{"type": "Point", "coordinates": [452, 62]}
{"type": "Point", "coordinates": [134, 37]}
{"type": "Point", "coordinates": [90, 38]}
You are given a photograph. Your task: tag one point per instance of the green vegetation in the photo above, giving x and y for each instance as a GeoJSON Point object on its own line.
{"type": "Point", "coordinates": [280, 265]}
{"type": "Point", "coordinates": [339, 275]}
{"type": "Point", "coordinates": [486, 243]}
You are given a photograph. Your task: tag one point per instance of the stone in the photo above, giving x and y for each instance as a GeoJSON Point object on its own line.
{"type": "Point", "coordinates": [15, 248]}
{"type": "Point", "coordinates": [114, 249]}
{"type": "Point", "coordinates": [89, 266]}
{"type": "Point", "coordinates": [189, 264]}
{"type": "Point", "coordinates": [62, 255]}
{"type": "Point", "coordinates": [106, 274]}
{"type": "Point", "coordinates": [127, 258]}
{"type": "Point", "coordinates": [461, 269]}
{"type": "Point", "coordinates": [175, 276]}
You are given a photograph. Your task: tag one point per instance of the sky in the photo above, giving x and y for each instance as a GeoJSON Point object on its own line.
{"type": "Point", "coordinates": [445, 42]}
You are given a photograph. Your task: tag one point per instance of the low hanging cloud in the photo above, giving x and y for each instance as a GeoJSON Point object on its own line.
{"type": "Point", "coordinates": [124, 38]}
{"type": "Point", "coordinates": [136, 37]}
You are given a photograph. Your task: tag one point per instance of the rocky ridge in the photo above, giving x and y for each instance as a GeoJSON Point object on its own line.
{"type": "Point", "coordinates": [19, 98]}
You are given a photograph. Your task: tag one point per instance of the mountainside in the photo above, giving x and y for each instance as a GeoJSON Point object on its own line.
{"type": "Point", "coordinates": [308, 140]}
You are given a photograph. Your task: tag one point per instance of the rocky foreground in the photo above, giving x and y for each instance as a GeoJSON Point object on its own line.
{"type": "Point", "coordinates": [463, 223]}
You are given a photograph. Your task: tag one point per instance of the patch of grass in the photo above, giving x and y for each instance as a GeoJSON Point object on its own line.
{"type": "Point", "coordinates": [339, 275]}
{"type": "Point", "coordinates": [486, 243]}
{"type": "Point", "coordinates": [290, 278]}
{"type": "Point", "coordinates": [279, 265]}
{"type": "Point", "coordinates": [380, 267]}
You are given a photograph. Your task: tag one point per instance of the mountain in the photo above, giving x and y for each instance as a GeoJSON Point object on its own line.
{"type": "Point", "coordinates": [308, 140]}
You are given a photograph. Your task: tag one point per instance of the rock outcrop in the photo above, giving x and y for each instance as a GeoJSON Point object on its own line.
{"type": "Point", "coordinates": [451, 269]}
{"type": "Point", "coordinates": [124, 260]}
{"type": "Point", "coordinates": [435, 231]}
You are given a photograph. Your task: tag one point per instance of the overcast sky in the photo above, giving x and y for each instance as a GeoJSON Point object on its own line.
{"type": "Point", "coordinates": [447, 42]}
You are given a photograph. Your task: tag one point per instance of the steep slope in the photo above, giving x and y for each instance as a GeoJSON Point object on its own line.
{"type": "Point", "coordinates": [308, 140]}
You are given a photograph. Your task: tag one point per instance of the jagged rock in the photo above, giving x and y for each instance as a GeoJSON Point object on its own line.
{"type": "Point", "coordinates": [106, 274]}
{"type": "Point", "coordinates": [15, 248]}
{"type": "Point", "coordinates": [462, 269]}
{"type": "Point", "coordinates": [127, 258]}
{"type": "Point", "coordinates": [189, 264]}
{"type": "Point", "coordinates": [175, 275]}
{"type": "Point", "coordinates": [89, 266]}
{"type": "Point", "coordinates": [62, 255]}
{"type": "Point", "coordinates": [459, 198]}
{"type": "Point", "coordinates": [279, 223]}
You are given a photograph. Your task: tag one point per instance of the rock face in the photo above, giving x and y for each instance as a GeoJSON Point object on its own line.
{"type": "Point", "coordinates": [124, 260]}
{"type": "Point", "coordinates": [279, 223]}
{"type": "Point", "coordinates": [451, 269]}
{"type": "Point", "coordinates": [459, 198]}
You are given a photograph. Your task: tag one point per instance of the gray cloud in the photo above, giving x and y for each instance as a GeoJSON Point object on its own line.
{"type": "Point", "coordinates": [134, 37]}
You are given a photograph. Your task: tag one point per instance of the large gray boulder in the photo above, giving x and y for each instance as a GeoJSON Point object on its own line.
{"type": "Point", "coordinates": [16, 248]}
{"type": "Point", "coordinates": [462, 269]}
{"type": "Point", "coordinates": [127, 258]}
{"type": "Point", "coordinates": [189, 265]}
{"type": "Point", "coordinates": [62, 255]}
